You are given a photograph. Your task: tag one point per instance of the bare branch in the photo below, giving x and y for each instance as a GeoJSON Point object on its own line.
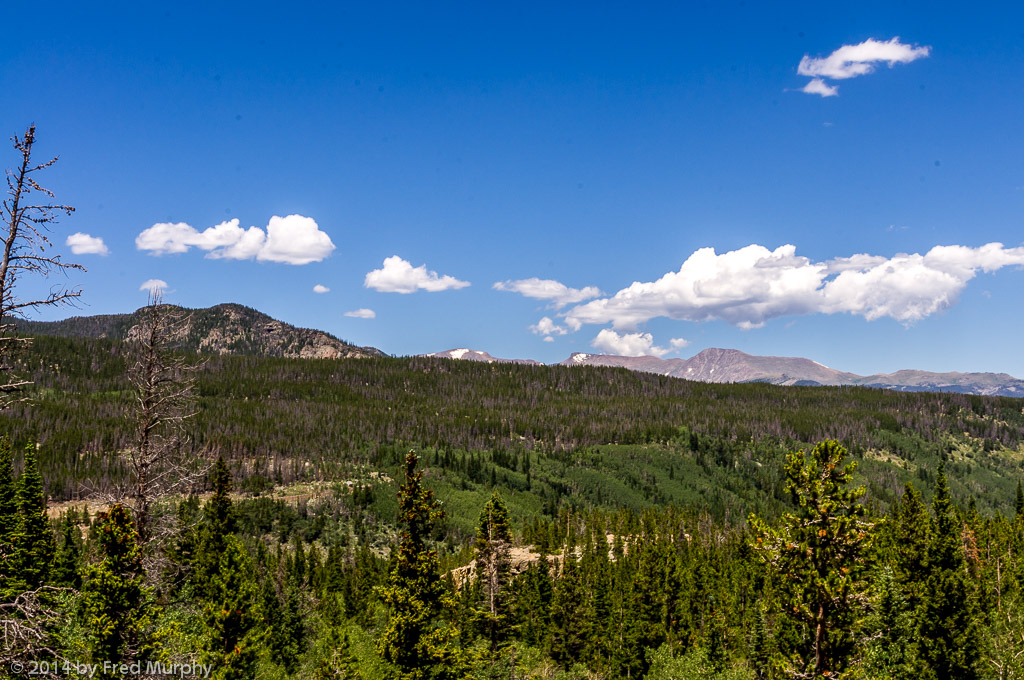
{"type": "Point", "coordinates": [23, 245]}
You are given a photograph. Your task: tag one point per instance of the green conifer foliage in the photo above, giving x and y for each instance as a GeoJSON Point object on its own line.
{"type": "Point", "coordinates": [341, 664]}
{"type": "Point", "coordinates": [568, 631]}
{"type": "Point", "coordinates": [34, 541]}
{"type": "Point", "coordinates": [118, 606]}
{"type": "Point", "coordinates": [911, 544]}
{"type": "Point", "coordinates": [1019, 505]}
{"type": "Point", "coordinates": [234, 623]}
{"type": "Point", "coordinates": [418, 639]}
{"type": "Point", "coordinates": [67, 568]}
{"type": "Point", "coordinates": [8, 522]}
{"type": "Point", "coordinates": [219, 522]}
{"type": "Point", "coordinates": [820, 557]}
{"type": "Point", "coordinates": [492, 549]}
{"type": "Point", "coordinates": [948, 634]}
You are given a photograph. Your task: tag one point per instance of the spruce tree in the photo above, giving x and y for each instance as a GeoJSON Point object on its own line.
{"type": "Point", "coordinates": [418, 639]}
{"type": "Point", "coordinates": [234, 623]}
{"type": "Point", "coordinates": [9, 519]}
{"type": "Point", "coordinates": [948, 627]}
{"type": "Point", "coordinates": [910, 544]}
{"type": "Point", "coordinates": [118, 606]}
{"type": "Point", "coordinates": [217, 525]}
{"type": "Point", "coordinates": [67, 568]}
{"type": "Point", "coordinates": [568, 634]}
{"type": "Point", "coordinates": [34, 542]}
{"type": "Point", "coordinates": [492, 548]}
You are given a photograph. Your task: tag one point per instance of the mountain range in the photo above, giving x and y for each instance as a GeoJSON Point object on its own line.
{"type": "Point", "coordinates": [235, 329]}
{"type": "Point", "coordinates": [730, 365]}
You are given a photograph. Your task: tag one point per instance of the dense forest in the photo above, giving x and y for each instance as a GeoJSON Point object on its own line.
{"type": "Point", "coordinates": [419, 518]}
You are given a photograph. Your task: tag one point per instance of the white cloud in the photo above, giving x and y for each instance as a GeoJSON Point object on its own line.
{"type": "Point", "coordinates": [749, 286]}
{"type": "Point", "coordinates": [84, 244]}
{"type": "Point", "coordinates": [399, 276]}
{"type": "Point", "coordinates": [548, 338]}
{"type": "Point", "coordinates": [362, 314]}
{"type": "Point", "coordinates": [549, 289]}
{"type": "Point", "coordinates": [293, 239]}
{"type": "Point", "coordinates": [633, 344]}
{"type": "Point", "coordinates": [154, 286]}
{"type": "Point", "coordinates": [850, 61]}
{"type": "Point", "coordinates": [320, 288]}
{"type": "Point", "coordinates": [819, 86]}
{"type": "Point", "coordinates": [547, 327]}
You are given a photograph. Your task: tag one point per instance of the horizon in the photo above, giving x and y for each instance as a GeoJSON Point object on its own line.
{"type": "Point", "coordinates": [539, 183]}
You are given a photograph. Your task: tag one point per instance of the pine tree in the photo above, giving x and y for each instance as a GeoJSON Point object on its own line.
{"type": "Point", "coordinates": [820, 555]}
{"type": "Point", "coordinates": [118, 606]}
{"type": "Point", "coordinates": [492, 548]}
{"type": "Point", "coordinates": [418, 640]}
{"type": "Point", "coordinates": [234, 624]}
{"type": "Point", "coordinates": [34, 541]}
{"type": "Point", "coordinates": [948, 626]}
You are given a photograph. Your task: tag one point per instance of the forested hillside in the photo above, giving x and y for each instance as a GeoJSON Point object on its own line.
{"type": "Point", "coordinates": [554, 522]}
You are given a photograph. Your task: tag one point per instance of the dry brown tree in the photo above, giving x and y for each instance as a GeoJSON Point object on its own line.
{"type": "Point", "coordinates": [26, 215]}
{"type": "Point", "coordinates": [163, 382]}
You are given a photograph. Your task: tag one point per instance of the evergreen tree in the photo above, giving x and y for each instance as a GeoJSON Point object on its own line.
{"type": "Point", "coordinates": [9, 520]}
{"type": "Point", "coordinates": [118, 606]}
{"type": "Point", "coordinates": [67, 568]}
{"type": "Point", "coordinates": [492, 548]}
{"type": "Point", "coordinates": [889, 651]}
{"type": "Point", "coordinates": [1019, 506]}
{"type": "Point", "coordinates": [910, 544]}
{"type": "Point", "coordinates": [34, 542]}
{"type": "Point", "coordinates": [418, 640]}
{"type": "Point", "coordinates": [568, 634]}
{"type": "Point", "coordinates": [218, 524]}
{"type": "Point", "coordinates": [341, 663]}
{"type": "Point", "coordinates": [948, 633]}
{"type": "Point", "coordinates": [820, 555]}
{"type": "Point", "coordinates": [234, 624]}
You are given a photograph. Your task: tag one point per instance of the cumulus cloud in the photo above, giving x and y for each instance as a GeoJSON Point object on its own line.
{"type": "Point", "coordinates": [549, 289]}
{"type": "Point", "coordinates": [819, 86]}
{"type": "Point", "coordinates": [633, 344]}
{"type": "Point", "coordinates": [547, 327]}
{"type": "Point", "coordinates": [362, 314]}
{"type": "Point", "coordinates": [320, 288]}
{"type": "Point", "coordinates": [293, 239]}
{"type": "Point", "coordinates": [154, 286]}
{"type": "Point", "coordinates": [84, 244]}
{"type": "Point", "coordinates": [850, 61]}
{"type": "Point", "coordinates": [749, 286]}
{"type": "Point", "coordinates": [399, 276]}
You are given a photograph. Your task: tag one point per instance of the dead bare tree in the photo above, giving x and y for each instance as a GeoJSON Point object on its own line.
{"type": "Point", "coordinates": [23, 235]}
{"type": "Point", "coordinates": [163, 382]}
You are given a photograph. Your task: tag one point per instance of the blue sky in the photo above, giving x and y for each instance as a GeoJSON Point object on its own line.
{"type": "Point", "coordinates": [565, 152]}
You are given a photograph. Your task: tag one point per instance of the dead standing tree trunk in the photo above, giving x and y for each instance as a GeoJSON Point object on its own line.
{"type": "Point", "coordinates": [23, 238]}
{"type": "Point", "coordinates": [162, 382]}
